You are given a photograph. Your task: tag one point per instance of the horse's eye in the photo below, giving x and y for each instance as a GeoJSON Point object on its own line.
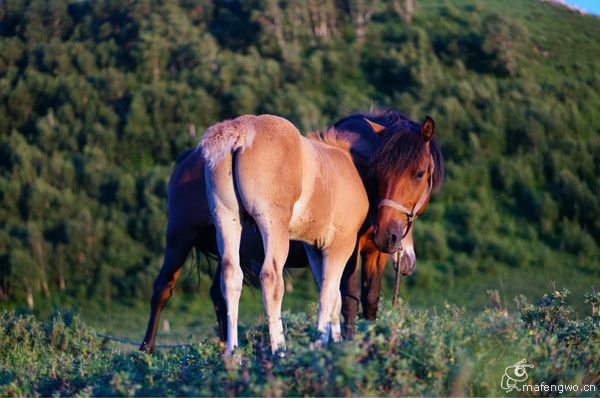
{"type": "Point", "coordinates": [419, 175]}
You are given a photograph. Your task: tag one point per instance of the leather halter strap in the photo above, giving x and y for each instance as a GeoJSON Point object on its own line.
{"type": "Point", "coordinates": [411, 214]}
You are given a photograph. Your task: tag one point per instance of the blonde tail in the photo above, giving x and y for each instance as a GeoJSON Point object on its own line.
{"type": "Point", "coordinates": [225, 138]}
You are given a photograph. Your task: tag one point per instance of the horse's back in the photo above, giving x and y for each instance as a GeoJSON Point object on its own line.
{"type": "Point", "coordinates": [312, 187]}
{"type": "Point", "coordinates": [188, 212]}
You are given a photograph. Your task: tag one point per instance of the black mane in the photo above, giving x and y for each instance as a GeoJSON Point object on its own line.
{"type": "Point", "coordinates": [400, 145]}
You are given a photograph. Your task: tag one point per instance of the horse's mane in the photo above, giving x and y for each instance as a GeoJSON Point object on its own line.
{"type": "Point", "coordinates": [439, 171]}
{"type": "Point", "coordinates": [401, 145]}
{"type": "Point", "coordinates": [333, 137]}
{"type": "Point", "coordinates": [392, 116]}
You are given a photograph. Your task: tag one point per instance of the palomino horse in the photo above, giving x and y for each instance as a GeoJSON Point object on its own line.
{"type": "Point", "coordinates": [190, 226]}
{"type": "Point", "coordinates": [261, 171]}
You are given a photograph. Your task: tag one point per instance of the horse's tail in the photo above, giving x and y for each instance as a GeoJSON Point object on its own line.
{"type": "Point", "coordinates": [199, 254]}
{"type": "Point", "coordinates": [225, 138]}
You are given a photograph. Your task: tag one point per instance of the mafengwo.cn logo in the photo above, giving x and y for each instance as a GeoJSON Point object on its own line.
{"type": "Point", "coordinates": [515, 376]}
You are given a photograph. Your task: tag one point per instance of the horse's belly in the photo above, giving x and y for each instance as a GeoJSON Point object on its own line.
{"type": "Point", "coordinates": [311, 218]}
{"type": "Point", "coordinates": [308, 227]}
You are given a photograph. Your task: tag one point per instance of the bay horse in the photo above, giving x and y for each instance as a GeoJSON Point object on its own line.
{"type": "Point", "coordinates": [261, 171]}
{"type": "Point", "coordinates": [190, 226]}
{"type": "Point", "coordinates": [384, 145]}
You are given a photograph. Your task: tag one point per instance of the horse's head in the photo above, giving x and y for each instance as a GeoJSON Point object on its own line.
{"type": "Point", "coordinates": [403, 178]}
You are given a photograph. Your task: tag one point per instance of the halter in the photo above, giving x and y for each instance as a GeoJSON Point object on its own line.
{"type": "Point", "coordinates": [411, 214]}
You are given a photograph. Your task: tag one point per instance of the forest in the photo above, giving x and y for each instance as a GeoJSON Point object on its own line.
{"type": "Point", "coordinates": [98, 98]}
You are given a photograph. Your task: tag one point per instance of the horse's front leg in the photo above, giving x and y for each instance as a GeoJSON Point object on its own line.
{"type": "Point", "coordinates": [163, 289]}
{"type": "Point", "coordinates": [218, 300]}
{"type": "Point", "coordinates": [330, 299]}
{"type": "Point", "coordinates": [373, 265]}
{"type": "Point", "coordinates": [350, 291]}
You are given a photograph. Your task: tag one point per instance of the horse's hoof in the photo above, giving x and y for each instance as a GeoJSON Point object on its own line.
{"type": "Point", "coordinates": [281, 353]}
{"type": "Point", "coordinates": [317, 345]}
{"type": "Point", "coordinates": [232, 359]}
{"type": "Point", "coordinates": [348, 334]}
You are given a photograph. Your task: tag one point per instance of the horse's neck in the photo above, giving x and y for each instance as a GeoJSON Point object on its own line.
{"type": "Point", "coordinates": [361, 151]}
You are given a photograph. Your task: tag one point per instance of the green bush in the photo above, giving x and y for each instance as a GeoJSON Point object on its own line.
{"type": "Point", "coordinates": [406, 352]}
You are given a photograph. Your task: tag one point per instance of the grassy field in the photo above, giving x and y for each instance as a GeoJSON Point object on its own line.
{"type": "Point", "coordinates": [191, 316]}
{"type": "Point", "coordinates": [407, 351]}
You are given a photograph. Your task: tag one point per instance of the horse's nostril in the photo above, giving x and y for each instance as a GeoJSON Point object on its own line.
{"type": "Point", "coordinates": [393, 240]}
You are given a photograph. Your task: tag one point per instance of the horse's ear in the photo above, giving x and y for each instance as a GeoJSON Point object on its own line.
{"type": "Point", "coordinates": [377, 128]}
{"type": "Point", "coordinates": [427, 128]}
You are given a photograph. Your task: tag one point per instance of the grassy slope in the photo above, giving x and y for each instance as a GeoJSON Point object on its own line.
{"type": "Point", "coordinates": [407, 352]}
{"type": "Point", "coordinates": [190, 317]}
{"type": "Point", "coordinates": [571, 42]}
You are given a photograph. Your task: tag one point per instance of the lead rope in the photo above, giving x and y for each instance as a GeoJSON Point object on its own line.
{"type": "Point", "coordinates": [396, 265]}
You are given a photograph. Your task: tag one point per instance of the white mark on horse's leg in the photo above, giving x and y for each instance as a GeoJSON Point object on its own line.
{"type": "Point", "coordinates": [336, 329]}
{"type": "Point", "coordinates": [324, 315]}
{"type": "Point", "coordinates": [323, 323]}
{"type": "Point", "coordinates": [330, 299]}
{"type": "Point", "coordinates": [326, 305]}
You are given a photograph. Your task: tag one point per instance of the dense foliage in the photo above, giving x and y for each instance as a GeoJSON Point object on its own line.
{"type": "Point", "coordinates": [98, 98]}
{"type": "Point", "coordinates": [406, 352]}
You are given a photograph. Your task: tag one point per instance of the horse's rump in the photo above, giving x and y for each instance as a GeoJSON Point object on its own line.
{"type": "Point", "coordinates": [226, 137]}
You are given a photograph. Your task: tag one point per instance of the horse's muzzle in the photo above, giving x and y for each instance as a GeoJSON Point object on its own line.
{"type": "Point", "coordinates": [407, 262]}
{"type": "Point", "coordinates": [389, 241]}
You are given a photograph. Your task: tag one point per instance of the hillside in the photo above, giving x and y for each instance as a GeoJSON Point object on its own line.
{"type": "Point", "coordinates": [98, 98]}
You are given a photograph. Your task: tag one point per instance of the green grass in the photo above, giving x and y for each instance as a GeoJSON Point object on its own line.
{"type": "Point", "coordinates": [190, 316]}
{"type": "Point", "coordinates": [406, 352]}
{"type": "Point", "coordinates": [469, 292]}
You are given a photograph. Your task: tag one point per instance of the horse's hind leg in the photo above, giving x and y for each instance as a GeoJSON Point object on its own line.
{"type": "Point", "coordinates": [175, 256]}
{"type": "Point", "coordinates": [229, 232]}
{"type": "Point", "coordinates": [225, 211]}
{"type": "Point", "coordinates": [276, 244]}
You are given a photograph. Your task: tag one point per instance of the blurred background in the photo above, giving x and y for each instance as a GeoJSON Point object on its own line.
{"type": "Point", "coordinates": [97, 99]}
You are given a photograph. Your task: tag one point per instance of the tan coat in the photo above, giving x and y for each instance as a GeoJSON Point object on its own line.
{"type": "Point", "coordinates": [261, 170]}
